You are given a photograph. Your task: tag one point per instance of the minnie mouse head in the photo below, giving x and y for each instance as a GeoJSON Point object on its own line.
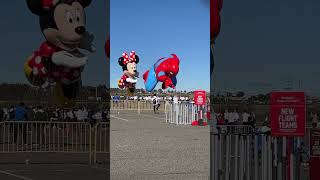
{"type": "Point", "coordinates": [129, 63]}
{"type": "Point", "coordinates": [63, 22]}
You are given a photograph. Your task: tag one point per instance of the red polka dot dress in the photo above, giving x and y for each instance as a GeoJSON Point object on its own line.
{"type": "Point", "coordinates": [55, 72]}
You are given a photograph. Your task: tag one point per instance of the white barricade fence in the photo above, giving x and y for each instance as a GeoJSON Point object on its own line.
{"type": "Point", "coordinates": [54, 137]}
{"type": "Point", "coordinates": [182, 113]}
{"type": "Point", "coordinates": [239, 153]}
{"type": "Point", "coordinates": [134, 105]}
{"type": "Point", "coordinates": [102, 139]}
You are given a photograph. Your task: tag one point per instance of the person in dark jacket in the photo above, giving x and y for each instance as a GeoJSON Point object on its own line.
{"type": "Point", "coordinates": [20, 116]}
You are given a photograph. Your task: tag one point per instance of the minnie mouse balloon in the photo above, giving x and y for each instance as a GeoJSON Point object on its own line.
{"type": "Point", "coordinates": [130, 74]}
{"type": "Point", "coordinates": [58, 60]}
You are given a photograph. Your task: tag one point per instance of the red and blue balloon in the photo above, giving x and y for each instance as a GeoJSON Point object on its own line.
{"type": "Point", "coordinates": [164, 70]}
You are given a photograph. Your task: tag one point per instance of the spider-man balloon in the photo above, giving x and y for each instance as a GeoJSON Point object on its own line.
{"type": "Point", "coordinates": [164, 70]}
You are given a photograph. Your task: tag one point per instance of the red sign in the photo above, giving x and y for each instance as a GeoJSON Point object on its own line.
{"type": "Point", "coordinates": [314, 154]}
{"type": "Point", "coordinates": [314, 168]}
{"type": "Point", "coordinates": [315, 142]}
{"type": "Point", "coordinates": [200, 97]}
{"type": "Point", "coordinates": [288, 113]}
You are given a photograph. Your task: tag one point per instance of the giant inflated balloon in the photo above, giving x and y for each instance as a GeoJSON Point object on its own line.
{"type": "Point", "coordinates": [164, 70]}
{"type": "Point", "coordinates": [215, 23]}
{"type": "Point", "coordinates": [58, 60]}
{"type": "Point", "coordinates": [107, 48]}
{"type": "Point", "coordinates": [130, 74]}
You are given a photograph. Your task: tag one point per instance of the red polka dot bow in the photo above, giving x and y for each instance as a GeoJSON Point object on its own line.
{"type": "Point", "coordinates": [129, 59]}
{"type": "Point", "coordinates": [47, 4]}
{"type": "Point", "coordinates": [132, 56]}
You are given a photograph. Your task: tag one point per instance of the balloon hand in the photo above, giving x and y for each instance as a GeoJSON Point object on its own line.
{"type": "Point", "coordinates": [168, 83]}
{"type": "Point", "coordinates": [87, 42]}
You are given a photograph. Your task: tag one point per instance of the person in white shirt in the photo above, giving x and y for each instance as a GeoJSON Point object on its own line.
{"type": "Point", "coordinates": [78, 115]}
{"type": "Point", "coordinates": [236, 115]}
{"type": "Point", "coordinates": [70, 115]}
{"type": "Point", "coordinates": [97, 115]}
{"type": "Point", "coordinates": [156, 103]}
{"type": "Point", "coordinates": [5, 114]}
{"type": "Point", "coordinates": [314, 119]}
{"type": "Point", "coordinates": [226, 115]}
{"type": "Point", "coordinates": [231, 117]}
{"type": "Point", "coordinates": [85, 114]}
{"type": "Point", "coordinates": [245, 117]}
{"type": "Point", "coordinates": [55, 116]}
{"type": "Point", "coordinates": [176, 106]}
{"type": "Point", "coordinates": [175, 100]}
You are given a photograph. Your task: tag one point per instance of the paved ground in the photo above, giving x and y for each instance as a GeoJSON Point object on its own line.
{"type": "Point", "coordinates": [144, 147]}
{"type": "Point", "coordinates": [51, 172]}
{"type": "Point", "coordinates": [52, 166]}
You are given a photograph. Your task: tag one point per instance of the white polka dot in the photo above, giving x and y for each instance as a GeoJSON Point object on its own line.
{"type": "Point", "coordinates": [35, 71]}
{"type": "Point", "coordinates": [37, 60]}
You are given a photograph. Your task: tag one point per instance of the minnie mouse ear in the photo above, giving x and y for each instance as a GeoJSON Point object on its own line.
{"type": "Point", "coordinates": [85, 3]}
{"type": "Point", "coordinates": [120, 61]}
{"type": "Point", "coordinates": [41, 7]}
{"type": "Point", "coordinates": [137, 59]}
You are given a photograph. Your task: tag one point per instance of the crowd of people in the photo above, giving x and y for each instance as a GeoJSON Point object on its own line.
{"type": "Point", "coordinates": [39, 113]}
{"type": "Point", "coordinates": [236, 118]}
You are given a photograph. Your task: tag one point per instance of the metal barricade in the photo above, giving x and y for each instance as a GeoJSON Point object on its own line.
{"type": "Point", "coordinates": [55, 137]}
{"type": "Point", "coordinates": [241, 153]}
{"type": "Point", "coordinates": [134, 105]}
{"type": "Point", "coordinates": [180, 114]}
{"type": "Point", "coordinates": [102, 139]}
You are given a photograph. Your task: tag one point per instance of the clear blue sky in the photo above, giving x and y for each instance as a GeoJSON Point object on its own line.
{"type": "Point", "coordinates": [158, 28]}
{"type": "Point", "coordinates": [266, 42]}
{"type": "Point", "coordinates": [21, 35]}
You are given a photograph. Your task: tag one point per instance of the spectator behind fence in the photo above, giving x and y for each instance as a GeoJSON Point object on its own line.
{"type": "Point", "coordinates": [1, 115]}
{"type": "Point", "coordinates": [233, 117]}
{"type": "Point", "coordinates": [104, 115]}
{"type": "Point", "coordinates": [55, 115]}
{"type": "Point", "coordinates": [6, 114]}
{"type": "Point", "coordinates": [226, 116]}
{"type": "Point", "coordinates": [20, 115]}
{"type": "Point", "coordinates": [314, 119]}
{"type": "Point", "coordinates": [11, 113]}
{"type": "Point", "coordinates": [220, 119]}
{"type": "Point", "coordinates": [245, 118]}
{"type": "Point", "coordinates": [40, 116]}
